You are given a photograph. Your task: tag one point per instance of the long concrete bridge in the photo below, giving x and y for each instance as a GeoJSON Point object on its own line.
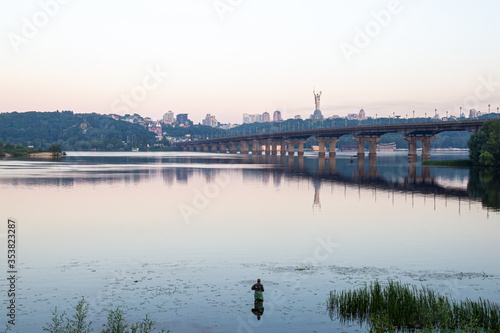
{"type": "Point", "coordinates": [413, 132]}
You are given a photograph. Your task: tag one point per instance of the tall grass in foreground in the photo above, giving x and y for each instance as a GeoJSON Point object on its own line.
{"type": "Point", "coordinates": [405, 307]}
{"type": "Point", "coordinates": [79, 323]}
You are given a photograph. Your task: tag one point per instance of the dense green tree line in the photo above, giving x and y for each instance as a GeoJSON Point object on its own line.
{"type": "Point", "coordinates": [72, 131]}
{"type": "Point", "coordinates": [19, 151]}
{"type": "Point", "coordinates": [484, 146]}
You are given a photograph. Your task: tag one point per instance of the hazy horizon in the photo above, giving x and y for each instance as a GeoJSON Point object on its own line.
{"type": "Point", "coordinates": [229, 57]}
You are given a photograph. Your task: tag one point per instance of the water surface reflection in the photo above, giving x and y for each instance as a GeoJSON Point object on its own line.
{"type": "Point", "coordinates": [390, 173]}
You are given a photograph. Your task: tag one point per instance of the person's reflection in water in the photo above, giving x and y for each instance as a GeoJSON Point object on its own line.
{"type": "Point", "coordinates": [258, 309]}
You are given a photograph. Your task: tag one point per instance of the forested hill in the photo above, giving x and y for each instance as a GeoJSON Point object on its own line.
{"type": "Point", "coordinates": [84, 131]}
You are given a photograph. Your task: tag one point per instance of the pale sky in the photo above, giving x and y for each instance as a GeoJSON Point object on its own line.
{"type": "Point", "coordinates": [229, 57]}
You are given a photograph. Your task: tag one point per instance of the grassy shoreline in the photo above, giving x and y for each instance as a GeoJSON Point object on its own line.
{"type": "Point", "coordinates": [446, 163]}
{"type": "Point", "coordinates": [404, 307]}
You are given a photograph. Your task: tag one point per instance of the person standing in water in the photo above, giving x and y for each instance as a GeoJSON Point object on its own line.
{"type": "Point", "coordinates": [259, 289]}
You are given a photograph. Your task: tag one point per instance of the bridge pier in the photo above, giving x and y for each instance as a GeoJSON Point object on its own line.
{"type": "Point", "coordinates": [412, 147]}
{"type": "Point", "coordinates": [274, 147]}
{"type": "Point", "coordinates": [243, 147]}
{"type": "Point", "coordinates": [268, 147]}
{"type": "Point", "coordinates": [291, 147]}
{"type": "Point", "coordinates": [373, 146]}
{"type": "Point", "coordinates": [426, 147]}
{"type": "Point", "coordinates": [361, 146]}
{"type": "Point", "coordinates": [233, 148]}
{"type": "Point", "coordinates": [214, 148]}
{"type": "Point", "coordinates": [256, 147]}
{"type": "Point", "coordinates": [322, 146]}
{"type": "Point", "coordinates": [300, 147]}
{"type": "Point", "coordinates": [333, 145]}
{"type": "Point", "coordinates": [204, 148]}
{"type": "Point", "coordinates": [322, 149]}
{"type": "Point", "coordinates": [283, 147]}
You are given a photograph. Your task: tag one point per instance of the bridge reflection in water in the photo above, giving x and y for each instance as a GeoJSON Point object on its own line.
{"type": "Point", "coordinates": [413, 180]}
{"type": "Point", "coordinates": [391, 173]}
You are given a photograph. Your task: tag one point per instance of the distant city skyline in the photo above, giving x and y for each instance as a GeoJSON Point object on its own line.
{"type": "Point", "coordinates": [226, 58]}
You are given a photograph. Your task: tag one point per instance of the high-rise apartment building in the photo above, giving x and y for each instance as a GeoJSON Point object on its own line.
{"type": "Point", "coordinates": [209, 121]}
{"type": "Point", "coordinates": [169, 118]}
{"type": "Point", "coordinates": [277, 116]}
{"type": "Point", "coordinates": [266, 117]}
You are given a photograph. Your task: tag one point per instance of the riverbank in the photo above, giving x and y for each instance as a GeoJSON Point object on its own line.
{"type": "Point", "coordinates": [35, 155]}
{"type": "Point", "coordinates": [449, 163]}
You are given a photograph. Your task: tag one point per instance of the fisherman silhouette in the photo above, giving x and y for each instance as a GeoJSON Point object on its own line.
{"type": "Point", "coordinates": [259, 289]}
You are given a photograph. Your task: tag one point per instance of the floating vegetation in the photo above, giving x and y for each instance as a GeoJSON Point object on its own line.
{"type": "Point", "coordinates": [404, 307]}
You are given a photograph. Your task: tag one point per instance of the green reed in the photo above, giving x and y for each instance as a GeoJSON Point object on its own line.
{"type": "Point", "coordinates": [79, 322]}
{"type": "Point", "coordinates": [407, 307]}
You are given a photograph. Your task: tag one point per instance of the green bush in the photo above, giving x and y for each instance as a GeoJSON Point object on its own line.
{"type": "Point", "coordinates": [79, 323]}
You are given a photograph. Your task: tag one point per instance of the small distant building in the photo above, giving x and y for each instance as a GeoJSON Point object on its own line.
{"type": "Point", "coordinates": [473, 114]}
{"type": "Point", "coordinates": [266, 117]}
{"type": "Point", "coordinates": [169, 118]}
{"type": "Point", "coordinates": [155, 127]}
{"type": "Point", "coordinates": [277, 116]}
{"type": "Point", "coordinates": [209, 121]}
{"type": "Point", "coordinates": [246, 118]}
{"type": "Point", "coordinates": [228, 126]}
{"type": "Point", "coordinates": [297, 116]}
{"type": "Point", "coordinates": [252, 118]}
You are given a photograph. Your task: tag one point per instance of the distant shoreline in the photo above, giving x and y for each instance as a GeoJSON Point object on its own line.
{"type": "Point", "coordinates": [36, 155]}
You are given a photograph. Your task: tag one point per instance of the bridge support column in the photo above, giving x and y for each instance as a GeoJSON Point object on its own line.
{"type": "Point", "coordinates": [214, 148]}
{"type": "Point", "coordinates": [291, 147]}
{"type": "Point", "coordinates": [204, 148]}
{"type": "Point", "coordinates": [426, 147]}
{"type": "Point", "coordinates": [233, 148]}
{"type": "Point", "coordinates": [243, 147]}
{"type": "Point", "coordinates": [268, 147]}
{"type": "Point", "coordinates": [300, 147]}
{"type": "Point", "coordinates": [283, 147]}
{"type": "Point", "coordinates": [361, 147]}
{"type": "Point", "coordinates": [322, 149]}
{"type": "Point", "coordinates": [190, 148]}
{"type": "Point", "coordinates": [333, 144]}
{"type": "Point", "coordinates": [373, 146]}
{"type": "Point", "coordinates": [412, 148]}
{"type": "Point", "coordinates": [274, 147]}
{"type": "Point", "coordinates": [256, 147]}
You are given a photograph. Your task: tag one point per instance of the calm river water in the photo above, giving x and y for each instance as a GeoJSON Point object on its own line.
{"type": "Point", "coordinates": [183, 236]}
